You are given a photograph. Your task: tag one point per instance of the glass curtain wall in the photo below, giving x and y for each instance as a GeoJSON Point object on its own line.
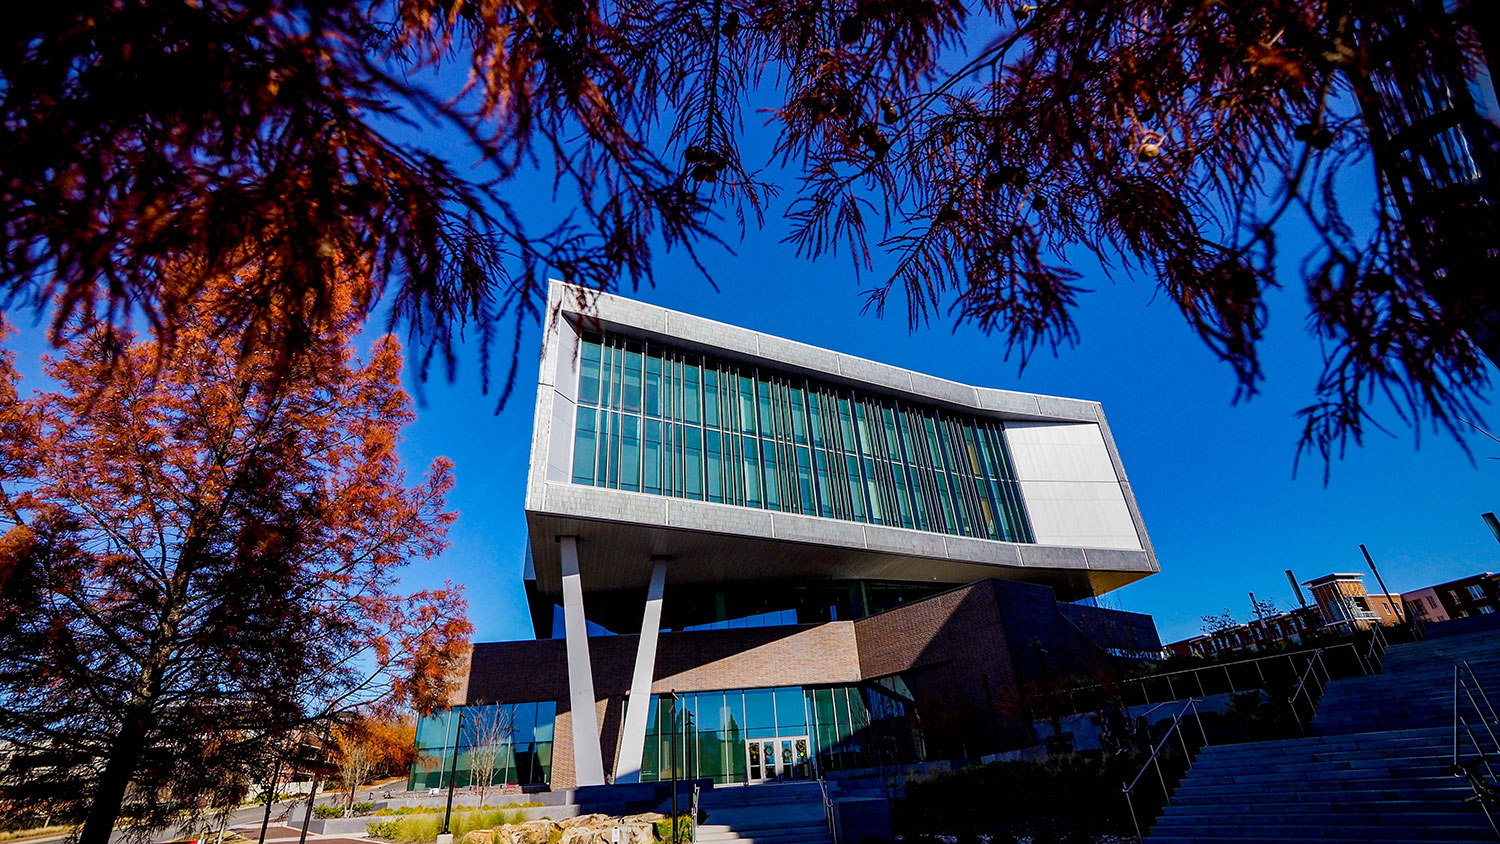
{"type": "Point", "coordinates": [523, 732]}
{"type": "Point", "coordinates": [657, 420]}
{"type": "Point", "coordinates": [716, 730]}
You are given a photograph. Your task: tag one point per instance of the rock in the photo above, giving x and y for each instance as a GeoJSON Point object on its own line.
{"type": "Point", "coordinates": [531, 832]}
{"type": "Point", "coordinates": [478, 836]}
{"type": "Point", "coordinates": [587, 820]}
{"type": "Point", "coordinates": [648, 817]}
{"type": "Point", "coordinates": [599, 830]}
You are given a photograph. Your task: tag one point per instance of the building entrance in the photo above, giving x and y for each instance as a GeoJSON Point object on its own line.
{"type": "Point", "coordinates": [781, 758]}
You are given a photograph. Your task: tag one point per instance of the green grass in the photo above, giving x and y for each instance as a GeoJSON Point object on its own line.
{"type": "Point", "coordinates": [426, 810]}
{"type": "Point", "coordinates": [35, 832]}
{"type": "Point", "coordinates": [423, 827]}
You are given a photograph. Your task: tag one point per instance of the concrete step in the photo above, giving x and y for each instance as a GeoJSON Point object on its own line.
{"type": "Point", "coordinates": [1335, 832]}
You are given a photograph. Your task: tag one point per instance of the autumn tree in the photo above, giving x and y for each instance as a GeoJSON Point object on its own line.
{"type": "Point", "coordinates": [201, 556]}
{"type": "Point", "coordinates": [356, 756]}
{"type": "Point", "coordinates": [368, 745]}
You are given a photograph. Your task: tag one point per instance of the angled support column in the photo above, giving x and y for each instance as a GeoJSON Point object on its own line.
{"type": "Point", "coordinates": [633, 742]}
{"type": "Point", "coordinates": [588, 761]}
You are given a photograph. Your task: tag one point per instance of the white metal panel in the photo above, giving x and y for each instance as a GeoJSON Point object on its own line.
{"type": "Point", "coordinates": [1068, 481]}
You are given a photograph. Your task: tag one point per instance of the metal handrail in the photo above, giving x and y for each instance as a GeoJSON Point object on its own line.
{"type": "Point", "coordinates": [828, 814]}
{"type": "Point", "coordinates": [693, 827]}
{"type": "Point", "coordinates": [1224, 667]}
{"type": "Point", "coordinates": [1304, 690]}
{"type": "Point", "coordinates": [1377, 638]}
{"type": "Point", "coordinates": [1155, 760]}
{"type": "Point", "coordinates": [1485, 792]}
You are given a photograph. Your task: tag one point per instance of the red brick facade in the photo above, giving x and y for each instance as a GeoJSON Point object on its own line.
{"type": "Point", "coordinates": [952, 650]}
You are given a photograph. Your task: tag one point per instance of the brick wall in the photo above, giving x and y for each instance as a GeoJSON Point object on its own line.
{"type": "Point", "coordinates": [965, 654]}
{"type": "Point", "coordinates": [703, 660]}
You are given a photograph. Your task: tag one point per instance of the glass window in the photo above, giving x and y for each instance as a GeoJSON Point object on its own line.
{"type": "Point", "coordinates": [585, 441]}
{"type": "Point", "coordinates": [1476, 592]}
{"type": "Point", "coordinates": [546, 714]}
{"type": "Point", "coordinates": [630, 452]}
{"type": "Point", "coordinates": [651, 469]}
{"type": "Point", "coordinates": [653, 385]}
{"type": "Point", "coordinates": [763, 402]}
{"type": "Point", "coordinates": [768, 464]}
{"type": "Point", "coordinates": [523, 722]}
{"type": "Point", "coordinates": [750, 461]}
{"type": "Point", "coordinates": [760, 709]}
{"type": "Point", "coordinates": [714, 466]}
{"type": "Point", "coordinates": [747, 405]}
{"type": "Point", "coordinates": [870, 459]}
{"type": "Point", "coordinates": [791, 713]}
{"type": "Point", "coordinates": [693, 463]}
{"type": "Point", "coordinates": [710, 396]}
{"type": "Point", "coordinates": [631, 383]}
{"type": "Point", "coordinates": [690, 394]}
{"type": "Point", "coordinates": [588, 376]}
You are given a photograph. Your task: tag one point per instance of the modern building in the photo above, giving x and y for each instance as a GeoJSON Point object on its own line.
{"type": "Point", "coordinates": [798, 560]}
{"type": "Point", "coordinates": [1477, 594]}
{"type": "Point", "coordinates": [1344, 603]}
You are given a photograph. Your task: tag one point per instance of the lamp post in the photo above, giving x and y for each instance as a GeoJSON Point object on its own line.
{"type": "Point", "coordinates": [446, 836]}
{"type": "Point", "coordinates": [674, 698]}
{"type": "Point", "coordinates": [1385, 593]}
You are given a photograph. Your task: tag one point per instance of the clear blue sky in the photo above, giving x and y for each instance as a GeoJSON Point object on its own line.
{"type": "Point", "coordinates": [1214, 480]}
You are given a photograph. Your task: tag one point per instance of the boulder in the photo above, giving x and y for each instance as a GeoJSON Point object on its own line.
{"type": "Point", "coordinates": [648, 817]}
{"type": "Point", "coordinates": [586, 820]}
{"type": "Point", "coordinates": [630, 833]}
{"type": "Point", "coordinates": [531, 832]}
{"type": "Point", "coordinates": [479, 836]}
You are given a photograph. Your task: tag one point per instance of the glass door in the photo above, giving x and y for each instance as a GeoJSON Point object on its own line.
{"type": "Point", "coordinates": [764, 754]}
{"type": "Point", "coordinates": [778, 759]}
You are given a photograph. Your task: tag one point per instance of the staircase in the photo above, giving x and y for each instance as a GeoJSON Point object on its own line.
{"type": "Point", "coordinates": [770, 813]}
{"type": "Point", "coordinates": [1372, 769]}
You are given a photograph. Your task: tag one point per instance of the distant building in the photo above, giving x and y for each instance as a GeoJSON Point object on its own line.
{"type": "Point", "coordinates": [1477, 594]}
{"type": "Point", "coordinates": [1344, 603]}
{"type": "Point", "coordinates": [1288, 628]}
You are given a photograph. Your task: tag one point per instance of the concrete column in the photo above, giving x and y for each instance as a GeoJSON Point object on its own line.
{"type": "Point", "coordinates": [633, 742]}
{"type": "Point", "coordinates": [588, 761]}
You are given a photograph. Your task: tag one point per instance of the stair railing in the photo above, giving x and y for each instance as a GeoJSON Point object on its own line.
{"type": "Point", "coordinates": [693, 828]}
{"type": "Point", "coordinates": [1378, 644]}
{"type": "Point", "coordinates": [1486, 793]}
{"type": "Point", "coordinates": [828, 812]}
{"type": "Point", "coordinates": [1309, 691]}
{"type": "Point", "coordinates": [1155, 761]}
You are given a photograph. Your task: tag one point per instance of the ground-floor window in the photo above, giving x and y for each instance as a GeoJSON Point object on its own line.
{"type": "Point", "coordinates": [510, 742]}
{"type": "Point", "coordinates": [758, 735]}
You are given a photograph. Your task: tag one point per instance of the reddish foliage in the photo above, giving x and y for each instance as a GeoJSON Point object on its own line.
{"type": "Point", "coordinates": [204, 555]}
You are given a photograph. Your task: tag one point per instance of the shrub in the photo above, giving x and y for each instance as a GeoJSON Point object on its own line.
{"type": "Point", "coordinates": [363, 808]}
{"type": "Point", "coordinates": [1039, 800]}
{"type": "Point", "coordinates": [328, 812]}
{"type": "Point", "coordinates": [684, 829]}
{"type": "Point", "coordinates": [422, 827]}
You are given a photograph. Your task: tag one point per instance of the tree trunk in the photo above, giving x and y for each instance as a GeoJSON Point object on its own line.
{"type": "Point", "coordinates": [114, 780]}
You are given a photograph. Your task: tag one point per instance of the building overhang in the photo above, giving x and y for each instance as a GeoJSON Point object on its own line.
{"type": "Point", "coordinates": [619, 531]}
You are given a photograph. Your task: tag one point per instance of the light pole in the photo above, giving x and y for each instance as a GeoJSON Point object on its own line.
{"type": "Point", "coordinates": [1385, 593]}
{"type": "Point", "coordinates": [458, 735]}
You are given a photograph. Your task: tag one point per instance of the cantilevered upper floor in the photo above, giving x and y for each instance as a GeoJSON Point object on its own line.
{"type": "Point", "coordinates": [746, 457]}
